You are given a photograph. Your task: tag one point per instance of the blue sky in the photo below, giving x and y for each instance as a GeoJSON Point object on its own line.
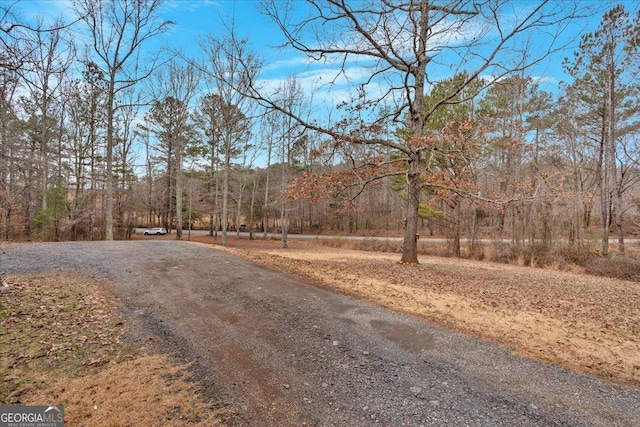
{"type": "Point", "coordinates": [192, 18]}
{"type": "Point", "coordinates": [195, 18]}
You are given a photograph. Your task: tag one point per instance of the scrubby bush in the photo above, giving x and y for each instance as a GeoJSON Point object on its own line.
{"type": "Point", "coordinates": [563, 257]}
{"type": "Point", "coordinates": [620, 267]}
{"type": "Point", "coordinates": [568, 255]}
{"type": "Point", "coordinates": [379, 245]}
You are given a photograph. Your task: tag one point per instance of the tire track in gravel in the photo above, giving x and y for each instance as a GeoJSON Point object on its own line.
{"type": "Point", "coordinates": [282, 353]}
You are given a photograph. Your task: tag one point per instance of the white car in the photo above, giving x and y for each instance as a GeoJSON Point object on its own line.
{"type": "Point", "coordinates": [157, 231]}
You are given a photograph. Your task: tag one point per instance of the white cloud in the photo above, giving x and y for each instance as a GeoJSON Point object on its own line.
{"type": "Point", "coordinates": [190, 5]}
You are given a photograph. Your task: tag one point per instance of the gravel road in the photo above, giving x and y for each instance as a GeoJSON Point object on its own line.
{"type": "Point", "coordinates": [281, 353]}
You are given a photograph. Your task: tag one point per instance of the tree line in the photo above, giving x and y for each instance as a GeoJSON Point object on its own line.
{"type": "Point", "coordinates": [100, 137]}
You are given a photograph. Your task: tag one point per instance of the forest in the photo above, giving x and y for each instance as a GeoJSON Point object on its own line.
{"type": "Point", "coordinates": [447, 135]}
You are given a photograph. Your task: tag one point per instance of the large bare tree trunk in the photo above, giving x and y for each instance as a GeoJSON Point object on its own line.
{"type": "Point", "coordinates": [414, 184]}
{"type": "Point", "coordinates": [414, 187]}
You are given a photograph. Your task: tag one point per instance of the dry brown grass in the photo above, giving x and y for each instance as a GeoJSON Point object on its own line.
{"type": "Point", "coordinates": [590, 324]}
{"type": "Point", "coordinates": [60, 344]}
{"type": "Point", "coordinates": [584, 257]}
{"type": "Point", "coordinates": [145, 391]}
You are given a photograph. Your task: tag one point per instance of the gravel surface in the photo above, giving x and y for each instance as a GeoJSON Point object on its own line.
{"type": "Point", "coordinates": [282, 353]}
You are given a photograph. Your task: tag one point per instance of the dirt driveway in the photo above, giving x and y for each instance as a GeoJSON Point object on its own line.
{"type": "Point", "coordinates": [281, 353]}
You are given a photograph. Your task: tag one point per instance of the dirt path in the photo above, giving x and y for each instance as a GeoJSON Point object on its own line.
{"type": "Point", "coordinates": [282, 353]}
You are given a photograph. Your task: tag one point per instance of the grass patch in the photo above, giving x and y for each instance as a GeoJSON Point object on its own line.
{"type": "Point", "coordinates": [60, 345]}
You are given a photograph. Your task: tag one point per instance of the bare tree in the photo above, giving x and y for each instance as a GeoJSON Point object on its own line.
{"type": "Point", "coordinates": [85, 119]}
{"type": "Point", "coordinates": [248, 156]}
{"type": "Point", "coordinates": [288, 132]}
{"type": "Point", "coordinates": [404, 47]}
{"type": "Point", "coordinates": [123, 157]}
{"type": "Point", "coordinates": [267, 136]}
{"type": "Point", "coordinates": [604, 82]}
{"type": "Point", "coordinates": [51, 57]}
{"type": "Point", "coordinates": [16, 37]}
{"type": "Point", "coordinates": [8, 147]}
{"type": "Point", "coordinates": [209, 120]}
{"type": "Point", "coordinates": [175, 87]}
{"type": "Point", "coordinates": [119, 29]}
{"type": "Point", "coordinates": [230, 65]}
{"type": "Point", "coordinates": [10, 55]}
